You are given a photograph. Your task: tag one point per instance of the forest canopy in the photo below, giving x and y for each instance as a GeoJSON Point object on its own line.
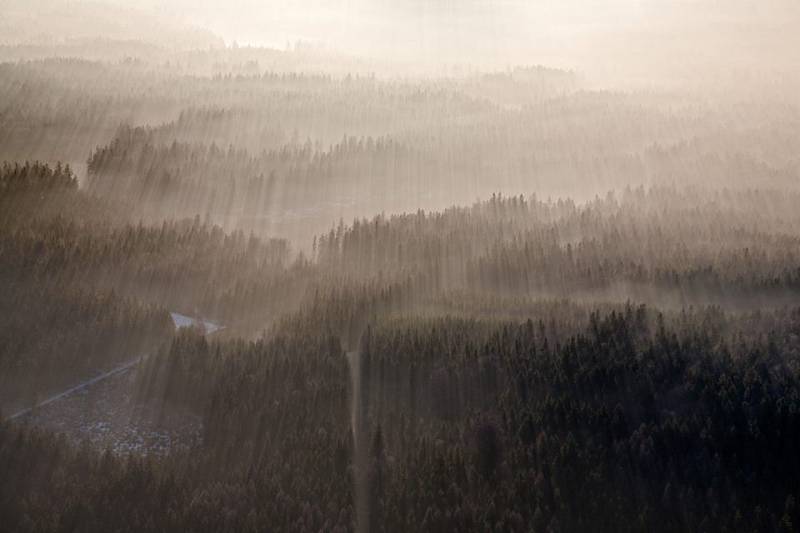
{"type": "Point", "coordinates": [414, 270]}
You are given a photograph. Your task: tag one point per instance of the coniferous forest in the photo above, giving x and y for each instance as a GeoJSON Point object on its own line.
{"type": "Point", "coordinates": [417, 274]}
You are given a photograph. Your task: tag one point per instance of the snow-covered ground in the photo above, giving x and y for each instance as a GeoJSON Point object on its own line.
{"type": "Point", "coordinates": [72, 390]}
{"type": "Point", "coordinates": [183, 321]}
{"type": "Point", "coordinates": [106, 415]}
{"type": "Point", "coordinates": [103, 410]}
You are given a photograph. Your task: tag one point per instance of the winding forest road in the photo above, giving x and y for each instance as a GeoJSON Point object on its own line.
{"type": "Point", "coordinates": [113, 372]}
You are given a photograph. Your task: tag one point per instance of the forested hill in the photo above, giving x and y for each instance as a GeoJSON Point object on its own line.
{"type": "Point", "coordinates": [86, 287]}
{"type": "Point", "coordinates": [627, 423]}
{"type": "Point", "coordinates": [483, 368]}
{"type": "Point", "coordinates": [444, 298]}
{"type": "Point", "coordinates": [663, 246]}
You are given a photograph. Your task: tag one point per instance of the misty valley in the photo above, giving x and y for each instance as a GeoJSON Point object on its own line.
{"type": "Point", "coordinates": [254, 288]}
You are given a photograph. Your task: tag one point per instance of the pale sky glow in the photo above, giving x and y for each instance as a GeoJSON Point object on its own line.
{"type": "Point", "coordinates": [587, 35]}
{"type": "Point", "coordinates": [386, 24]}
{"type": "Point", "coordinates": [600, 37]}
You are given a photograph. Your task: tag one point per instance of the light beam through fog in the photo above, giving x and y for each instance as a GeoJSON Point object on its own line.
{"type": "Point", "coordinates": [374, 265]}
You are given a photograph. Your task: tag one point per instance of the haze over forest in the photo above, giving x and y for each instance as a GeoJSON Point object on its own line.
{"type": "Point", "coordinates": [389, 266]}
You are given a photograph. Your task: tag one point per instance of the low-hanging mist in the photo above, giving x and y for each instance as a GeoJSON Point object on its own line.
{"type": "Point", "coordinates": [383, 266]}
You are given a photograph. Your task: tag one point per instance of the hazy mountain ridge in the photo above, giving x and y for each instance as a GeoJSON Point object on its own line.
{"type": "Point", "coordinates": [73, 24]}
